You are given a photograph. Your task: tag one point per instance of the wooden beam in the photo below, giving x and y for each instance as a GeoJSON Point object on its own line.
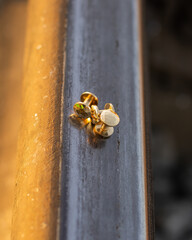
{"type": "Point", "coordinates": [12, 25]}
{"type": "Point", "coordinates": [106, 186]}
{"type": "Point", "coordinates": [35, 213]}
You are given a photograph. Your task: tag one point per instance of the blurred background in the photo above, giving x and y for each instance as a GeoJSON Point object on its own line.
{"type": "Point", "coordinates": [168, 30]}
{"type": "Point", "coordinates": [12, 33]}
{"type": "Point", "coordinates": [169, 48]}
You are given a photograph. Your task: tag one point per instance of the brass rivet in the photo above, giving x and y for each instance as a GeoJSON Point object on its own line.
{"type": "Point", "coordinates": [77, 121]}
{"type": "Point", "coordinates": [103, 130]}
{"type": "Point", "coordinates": [95, 113]}
{"type": "Point", "coordinates": [82, 109]}
{"type": "Point", "coordinates": [109, 119]}
{"type": "Point", "coordinates": [109, 106]}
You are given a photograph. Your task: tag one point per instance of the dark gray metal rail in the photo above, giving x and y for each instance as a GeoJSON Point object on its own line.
{"type": "Point", "coordinates": [104, 186]}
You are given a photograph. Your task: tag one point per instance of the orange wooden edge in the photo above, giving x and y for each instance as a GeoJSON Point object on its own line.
{"type": "Point", "coordinates": [36, 203]}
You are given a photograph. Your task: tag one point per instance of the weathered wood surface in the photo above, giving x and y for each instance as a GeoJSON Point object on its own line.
{"type": "Point", "coordinates": [12, 32]}
{"type": "Point", "coordinates": [35, 213]}
{"type": "Point", "coordinates": [105, 188]}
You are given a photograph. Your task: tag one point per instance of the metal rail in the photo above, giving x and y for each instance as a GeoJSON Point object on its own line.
{"type": "Point", "coordinates": [105, 187]}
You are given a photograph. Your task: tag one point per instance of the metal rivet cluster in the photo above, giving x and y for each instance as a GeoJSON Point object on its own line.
{"type": "Point", "coordinates": [102, 121]}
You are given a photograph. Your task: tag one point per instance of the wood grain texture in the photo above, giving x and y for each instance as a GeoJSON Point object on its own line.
{"type": "Point", "coordinates": [106, 192]}
{"type": "Point", "coordinates": [12, 25]}
{"type": "Point", "coordinates": [36, 203]}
